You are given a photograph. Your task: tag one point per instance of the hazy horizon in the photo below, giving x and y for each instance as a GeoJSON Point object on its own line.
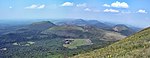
{"type": "Point", "coordinates": [130, 12]}
{"type": "Point", "coordinates": [29, 21]}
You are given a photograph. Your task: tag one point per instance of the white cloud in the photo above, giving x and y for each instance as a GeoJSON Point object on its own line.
{"type": "Point", "coordinates": [117, 5]}
{"type": "Point", "coordinates": [32, 6]}
{"type": "Point", "coordinates": [120, 4]}
{"type": "Point", "coordinates": [41, 6]}
{"type": "Point", "coordinates": [106, 5]}
{"type": "Point", "coordinates": [111, 10]}
{"type": "Point", "coordinates": [67, 4]}
{"type": "Point", "coordinates": [82, 5]}
{"type": "Point", "coordinates": [92, 10]}
{"type": "Point", "coordinates": [35, 6]}
{"type": "Point", "coordinates": [141, 11]}
{"type": "Point", "coordinates": [87, 9]}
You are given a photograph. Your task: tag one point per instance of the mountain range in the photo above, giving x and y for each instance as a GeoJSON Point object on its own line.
{"type": "Point", "coordinates": [60, 39]}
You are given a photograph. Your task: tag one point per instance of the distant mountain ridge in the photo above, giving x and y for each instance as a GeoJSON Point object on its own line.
{"type": "Point", "coordinates": [81, 22]}
{"type": "Point", "coordinates": [121, 28]}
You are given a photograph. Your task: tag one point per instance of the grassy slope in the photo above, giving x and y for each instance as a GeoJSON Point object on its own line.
{"type": "Point", "coordinates": [135, 46]}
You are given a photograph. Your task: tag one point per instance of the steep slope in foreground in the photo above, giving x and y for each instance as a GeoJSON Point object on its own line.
{"type": "Point", "coordinates": [135, 46]}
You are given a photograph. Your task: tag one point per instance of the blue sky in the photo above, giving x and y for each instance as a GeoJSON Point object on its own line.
{"type": "Point", "coordinates": [133, 12]}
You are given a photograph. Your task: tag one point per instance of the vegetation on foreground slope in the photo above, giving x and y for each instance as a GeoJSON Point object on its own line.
{"type": "Point", "coordinates": [135, 46]}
